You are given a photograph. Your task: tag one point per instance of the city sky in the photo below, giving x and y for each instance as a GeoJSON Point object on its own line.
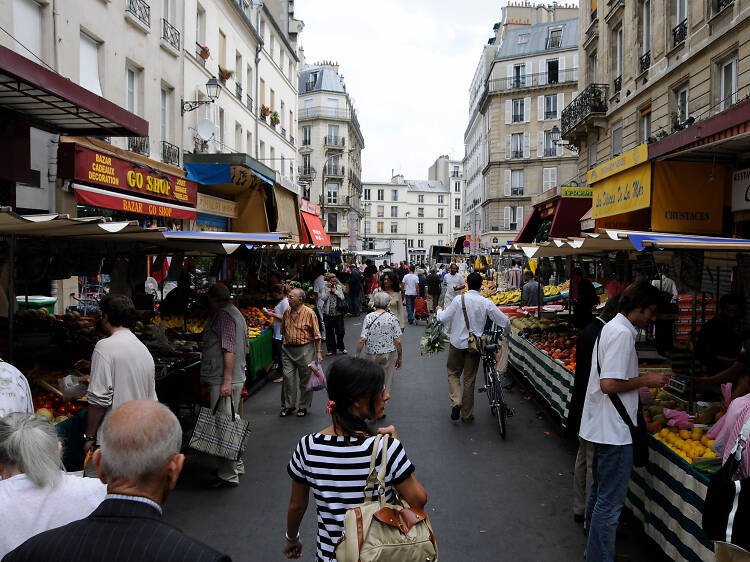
{"type": "Point", "coordinates": [407, 65]}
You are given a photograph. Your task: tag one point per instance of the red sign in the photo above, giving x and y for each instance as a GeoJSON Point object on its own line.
{"type": "Point", "coordinates": [93, 167]}
{"type": "Point", "coordinates": [308, 207]}
{"type": "Point", "coordinates": [313, 226]}
{"type": "Point", "coordinates": [108, 200]}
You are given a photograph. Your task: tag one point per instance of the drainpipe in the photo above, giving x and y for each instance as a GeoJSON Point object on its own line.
{"type": "Point", "coordinates": [257, 80]}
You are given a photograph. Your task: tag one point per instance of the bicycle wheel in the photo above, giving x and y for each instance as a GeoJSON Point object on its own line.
{"type": "Point", "coordinates": [489, 387]}
{"type": "Point", "coordinates": [500, 407]}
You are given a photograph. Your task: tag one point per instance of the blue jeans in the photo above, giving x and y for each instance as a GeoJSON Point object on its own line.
{"type": "Point", "coordinates": [609, 487]}
{"type": "Point", "coordinates": [410, 306]}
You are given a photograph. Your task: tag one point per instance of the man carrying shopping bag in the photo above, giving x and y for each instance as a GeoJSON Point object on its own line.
{"type": "Point", "coordinates": [225, 349]}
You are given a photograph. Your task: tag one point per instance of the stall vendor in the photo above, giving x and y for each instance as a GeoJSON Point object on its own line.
{"type": "Point", "coordinates": [719, 343]}
{"type": "Point", "coordinates": [178, 299]}
{"type": "Point", "coordinates": [738, 374]}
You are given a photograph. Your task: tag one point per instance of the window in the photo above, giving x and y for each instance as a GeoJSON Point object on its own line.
{"type": "Point", "coordinates": [367, 227]}
{"type": "Point", "coordinates": [394, 211]}
{"type": "Point", "coordinates": [550, 148]}
{"type": "Point", "coordinates": [366, 194]}
{"type": "Point", "coordinates": [262, 30]}
{"type": "Point", "coordinates": [262, 93]}
{"type": "Point", "coordinates": [381, 194]}
{"type": "Point", "coordinates": [519, 76]}
{"type": "Point", "coordinates": [272, 99]}
{"type": "Point", "coordinates": [88, 70]}
{"type": "Point", "coordinates": [455, 173]}
{"type": "Point", "coordinates": [516, 140]}
{"type": "Point", "coordinates": [554, 37]}
{"type": "Point", "coordinates": [333, 135]}
{"type": "Point", "coordinates": [646, 27]}
{"type": "Point", "coordinates": [333, 222]}
{"type": "Point", "coordinates": [441, 199]}
{"type": "Point", "coordinates": [457, 187]}
{"type": "Point", "coordinates": [420, 243]}
{"type": "Point", "coordinates": [272, 46]}
{"type": "Point", "coordinates": [27, 28]}
{"type": "Point", "coordinates": [332, 193]}
{"type": "Point", "coordinates": [550, 107]}
{"type": "Point", "coordinates": [222, 49]}
{"type": "Point", "coordinates": [593, 153]}
{"type": "Point", "coordinates": [333, 107]}
{"type": "Point", "coordinates": [681, 10]}
{"type": "Point", "coordinates": [457, 204]}
{"type": "Point", "coordinates": [394, 228]}
{"type": "Point", "coordinates": [306, 135]}
{"type": "Point", "coordinates": [549, 178]}
{"type": "Point", "coordinates": [645, 124]}
{"type": "Point", "coordinates": [441, 212]}
{"type": "Point", "coordinates": [200, 25]}
{"type": "Point", "coordinates": [308, 105]}
{"type": "Point", "coordinates": [617, 140]}
{"type": "Point", "coordinates": [420, 198]}
{"type": "Point", "coordinates": [593, 67]}
{"type": "Point", "coordinates": [380, 228]}
{"type": "Point", "coordinates": [381, 211]}
{"type": "Point", "coordinates": [618, 52]}
{"type": "Point", "coordinates": [681, 103]}
{"type": "Point", "coordinates": [728, 77]}
{"type": "Point", "coordinates": [457, 221]}
{"type": "Point", "coordinates": [410, 243]}
{"type": "Point", "coordinates": [512, 218]}
{"type": "Point", "coordinates": [518, 110]}
{"type": "Point", "coordinates": [306, 164]}
{"type": "Point", "coordinates": [164, 114]}
{"type": "Point", "coordinates": [440, 228]}
{"type": "Point", "coordinates": [420, 228]}
{"type": "Point", "coordinates": [516, 183]}
{"type": "Point", "coordinates": [420, 212]}
{"type": "Point", "coordinates": [131, 89]}
{"type": "Point", "coordinates": [394, 194]}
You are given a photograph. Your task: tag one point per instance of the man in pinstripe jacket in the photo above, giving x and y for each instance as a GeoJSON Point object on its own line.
{"type": "Point", "coordinates": [140, 462]}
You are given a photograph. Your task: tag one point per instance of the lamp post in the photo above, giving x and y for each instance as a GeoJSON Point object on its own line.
{"type": "Point", "coordinates": [555, 135]}
{"type": "Point", "coordinates": [213, 89]}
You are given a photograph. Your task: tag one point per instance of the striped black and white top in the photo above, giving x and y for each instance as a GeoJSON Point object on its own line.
{"type": "Point", "coordinates": [336, 468]}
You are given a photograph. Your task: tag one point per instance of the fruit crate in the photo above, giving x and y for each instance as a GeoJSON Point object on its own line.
{"type": "Point", "coordinates": [260, 355]}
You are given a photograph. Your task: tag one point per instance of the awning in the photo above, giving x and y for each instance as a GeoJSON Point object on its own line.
{"type": "Point", "coordinates": [209, 174]}
{"type": "Point", "coordinates": [530, 227]}
{"type": "Point", "coordinates": [53, 103]}
{"type": "Point", "coordinates": [107, 199]}
{"type": "Point", "coordinates": [313, 231]}
{"type": "Point", "coordinates": [567, 219]}
{"type": "Point", "coordinates": [287, 211]}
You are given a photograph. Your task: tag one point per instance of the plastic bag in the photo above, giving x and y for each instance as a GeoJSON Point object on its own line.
{"type": "Point", "coordinates": [317, 379]}
{"type": "Point", "coordinates": [72, 387]}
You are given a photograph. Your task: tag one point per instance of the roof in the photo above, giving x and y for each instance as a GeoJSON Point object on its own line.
{"type": "Point", "coordinates": [537, 41]}
{"type": "Point", "coordinates": [327, 79]}
{"type": "Point", "coordinates": [51, 102]}
{"type": "Point", "coordinates": [426, 185]}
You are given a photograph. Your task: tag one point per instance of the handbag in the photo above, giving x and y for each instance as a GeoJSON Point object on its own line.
{"type": "Point", "coordinates": [376, 531]}
{"type": "Point", "coordinates": [726, 511]}
{"type": "Point", "coordinates": [475, 344]}
{"type": "Point", "coordinates": [317, 380]}
{"type": "Point", "coordinates": [219, 434]}
{"type": "Point", "coordinates": [638, 432]}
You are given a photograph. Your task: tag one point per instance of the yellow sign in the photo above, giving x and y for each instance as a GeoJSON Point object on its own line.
{"type": "Point", "coordinates": [576, 192]}
{"type": "Point", "coordinates": [629, 159]}
{"type": "Point", "coordinates": [216, 206]}
{"type": "Point", "coordinates": [622, 193]}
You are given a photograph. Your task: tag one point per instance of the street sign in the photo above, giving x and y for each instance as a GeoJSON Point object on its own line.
{"type": "Point", "coordinates": [467, 244]}
{"type": "Point", "coordinates": [467, 250]}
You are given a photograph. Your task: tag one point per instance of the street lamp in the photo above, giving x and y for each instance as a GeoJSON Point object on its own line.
{"type": "Point", "coordinates": [213, 89]}
{"type": "Point", "coordinates": [556, 136]}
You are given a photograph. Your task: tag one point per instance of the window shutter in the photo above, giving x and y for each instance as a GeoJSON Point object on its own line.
{"type": "Point", "coordinates": [526, 145]}
{"type": "Point", "coordinates": [561, 69]}
{"type": "Point", "coordinates": [506, 218]}
{"type": "Point", "coordinates": [508, 111]}
{"type": "Point", "coordinates": [510, 77]}
{"type": "Point", "coordinates": [528, 67]}
{"type": "Point", "coordinates": [507, 147]}
{"type": "Point", "coordinates": [540, 108]}
{"type": "Point", "coordinates": [506, 190]}
{"type": "Point", "coordinates": [553, 177]}
{"type": "Point", "coordinates": [545, 179]}
{"type": "Point", "coordinates": [526, 110]}
{"type": "Point", "coordinates": [540, 144]}
{"type": "Point", "coordinates": [542, 72]}
{"type": "Point", "coordinates": [575, 67]}
{"type": "Point", "coordinates": [560, 104]}
{"type": "Point", "coordinates": [519, 217]}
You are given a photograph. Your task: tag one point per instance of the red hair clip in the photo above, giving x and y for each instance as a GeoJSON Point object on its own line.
{"type": "Point", "coordinates": [330, 406]}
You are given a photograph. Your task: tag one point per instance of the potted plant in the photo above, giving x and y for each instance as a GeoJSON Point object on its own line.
{"type": "Point", "coordinates": [265, 111]}
{"type": "Point", "coordinates": [275, 120]}
{"type": "Point", "coordinates": [225, 74]}
{"type": "Point", "coordinates": [204, 52]}
{"type": "Point", "coordinates": [660, 133]}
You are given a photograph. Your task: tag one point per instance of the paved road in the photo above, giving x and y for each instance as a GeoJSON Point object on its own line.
{"type": "Point", "coordinates": [489, 499]}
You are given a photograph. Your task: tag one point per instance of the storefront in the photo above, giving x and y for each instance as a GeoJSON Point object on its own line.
{"type": "Point", "coordinates": [214, 213]}
{"type": "Point", "coordinates": [312, 227]}
{"type": "Point", "coordinates": [557, 213]}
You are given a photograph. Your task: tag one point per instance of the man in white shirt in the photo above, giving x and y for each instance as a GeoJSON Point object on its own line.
{"type": "Point", "coordinates": [666, 285]}
{"type": "Point", "coordinates": [460, 360]}
{"type": "Point", "coordinates": [15, 394]}
{"type": "Point", "coordinates": [614, 370]}
{"type": "Point", "coordinates": [410, 283]}
{"type": "Point", "coordinates": [453, 282]}
{"type": "Point", "coordinates": [318, 285]}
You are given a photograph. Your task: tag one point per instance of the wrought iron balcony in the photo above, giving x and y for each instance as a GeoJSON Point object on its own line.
{"type": "Point", "coordinates": [140, 10]}
{"type": "Point", "coordinates": [198, 51]}
{"type": "Point", "coordinates": [679, 33]}
{"type": "Point", "coordinates": [721, 4]}
{"type": "Point", "coordinates": [516, 154]}
{"type": "Point", "coordinates": [291, 139]}
{"type": "Point", "coordinates": [283, 132]}
{"type": "Point", "coordinates": [170, 34]}
{"type": "Point", "coordinates": [550, 114]}
{"type": "Point", "coordinates": [550, 151]}
{"type": "Point", "coordinates": [334, 141]}
{"type": "Point", "coordinates": [170, 154]}
{"type": "Point", "coordinates": [307, 171]}
{"type": "Point", "coordinates": [533, 80]}
{"type": "Point", "coordinates": [618, 83]}
{"type": "Point", "coordinates": [646, 62]}
{"type": "Point", "coordinates": [139, 145]}
{"type": "Point", "coordinates": [249, 102]}
{"type": "Point", "coordinates": [238, 91]}
{"type": "Point", "coordinates": [591, 101]}
{"type": "Point", "coordinates": [333, 170]}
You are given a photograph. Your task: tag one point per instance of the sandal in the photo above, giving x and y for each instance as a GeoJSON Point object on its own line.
{"type": "Point", "coordinates": [329, 354]}
{"type": "Point", "coordinates": [345, 352]}
{"type": "Point", "coordinates": [286, 412]}
{"type": "Point", "coordinates": [301, 413]}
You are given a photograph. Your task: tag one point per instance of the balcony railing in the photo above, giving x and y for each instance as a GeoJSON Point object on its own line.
{"type": "Point", "coordinates": [679, 33]}
{"type": "Point", "coordinates": [238, 91]}
{"type": "Point", "coordinates": [139, 145]}
{"type": "Point", "coordinates": [198, 50]}
{"type": "Point", "coordinates": [291, 139]}
{"type": "Point", "coordinates": [283, 132]}
{"type": "Point", "coordinates": [534, 80]}
{"type": "Point", "coordinates": [592, 100]}
{"type": "Point", "coordinates": [332, 170]}
{"type": "Point", "coordinates": [140, 10]}
{"type": "Point", "coordinates": [646, 62]}
{"type": "Point", "coordinates": [721, 4]}
{"type": "Point", "coordinates": [170, 154]}
{"type": "Point", "coordinates": [354, 179]}
{"type": "Point", "coordinates": [307, 171]}
{"type": "Point", "coordinates": [200, 145]}
{"type": "Point", "coordinates": [334, 141]}
{"type": "Point", "coordinates": [618, 83]}
{"type": "Point", "coordinates": [516, 153]}
{"type": "Point", "coordinates": [455, 174]}
{"type": "Point", "coordinates": [550, 151]}
{"type": "Point", "coordinates": [305, 141]}
{"type": "Point", "coordinates": [518, 118]}
{"type": "Point", "coordinates": [170, 34]}
{"type": "Point", "coordinates": [249, 102]}
{"type": "Point", "coordinates": [550, 114]}
{"type": "Point", "coordinates": [327, 112]}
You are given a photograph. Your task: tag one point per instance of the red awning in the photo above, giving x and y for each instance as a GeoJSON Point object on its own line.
{"type": "Point", "coordinates": [567, 220]}
{"type": "Point", "coordinates": [529, 228]}
{"type": "Point", "coordinates": [51, 102]}
{"type": "Point", "coordinates": [102, 198]}
{"type": "Point", "coordinates": [313, 231]}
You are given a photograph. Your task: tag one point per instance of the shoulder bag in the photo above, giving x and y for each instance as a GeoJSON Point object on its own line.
{"type": "Point", "coordinates": [638, 432]}
{"type": "Point", "coordinates": [475, 344]}
{"type": "Point", "coordinates": [726, 511]}
{"type": "Point", "coordinates": [376, 531]}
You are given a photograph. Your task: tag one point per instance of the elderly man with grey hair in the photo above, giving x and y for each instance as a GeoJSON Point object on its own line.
{"type": "Point", "coordinates": [381, 334]}
{"type": "Point", "coordinates": [35, 494]}
{"type": "Point", "coordinates": [139, 461]}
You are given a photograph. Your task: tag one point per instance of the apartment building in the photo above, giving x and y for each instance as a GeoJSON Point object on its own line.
{"type": "Point", "coordinates": [330, 151]}
{"type": "Point", "coordinates": [450, 173]}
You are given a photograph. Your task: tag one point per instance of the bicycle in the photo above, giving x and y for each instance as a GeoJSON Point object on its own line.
{"type": "Point", "coordinates": [493, 385]}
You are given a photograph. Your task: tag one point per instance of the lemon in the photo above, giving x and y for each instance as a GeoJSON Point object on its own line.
{"type": "Point", "coordinates": [684, 434]}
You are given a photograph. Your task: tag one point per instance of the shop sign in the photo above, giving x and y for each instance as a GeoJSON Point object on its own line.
{"type": "Point", "coordinates": [308, 207]}
{"type": "Point", "coordinates": [108, 200]}
{"type": "Point", "coordinates": [622, 193]}
{"type": "Point", "coordinates": [741, 190]}
{"type": "Point", "coordinates": [92, 167]}
{"type": "Point", "coordinates": [625, 161]}
{"type": "Point", "coordinates": [570, 192]}
{"type": "Point", "coordinates": [216, 206]}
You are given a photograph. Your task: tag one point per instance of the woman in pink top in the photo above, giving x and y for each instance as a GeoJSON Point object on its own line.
{"type": "Point", "coordinates": [736, 416]}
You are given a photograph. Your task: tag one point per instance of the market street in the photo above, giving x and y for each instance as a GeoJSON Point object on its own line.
{"type": "Point", "coordinates": [486, 496]}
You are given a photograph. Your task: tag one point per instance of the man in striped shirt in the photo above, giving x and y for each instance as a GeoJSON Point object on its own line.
{"type": "Point", "coordinates": [299, 328]}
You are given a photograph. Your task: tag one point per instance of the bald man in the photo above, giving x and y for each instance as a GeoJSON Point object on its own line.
{"type": "Point", "coordinates": [139, 461]}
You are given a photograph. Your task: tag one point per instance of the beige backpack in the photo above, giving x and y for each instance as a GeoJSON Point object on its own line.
{"type": "Point", "coordinates": [376, 531]}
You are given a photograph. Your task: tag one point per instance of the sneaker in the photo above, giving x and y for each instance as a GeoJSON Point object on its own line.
{"type": "Point", "coordinates": [455, 412]}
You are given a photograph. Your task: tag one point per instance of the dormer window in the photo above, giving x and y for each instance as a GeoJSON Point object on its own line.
{"type": "Point", "coordinates": [554, 37]}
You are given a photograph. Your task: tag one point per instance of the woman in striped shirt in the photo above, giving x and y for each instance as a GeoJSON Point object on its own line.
{"type": "Point", "coordinates": [335, 462]}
